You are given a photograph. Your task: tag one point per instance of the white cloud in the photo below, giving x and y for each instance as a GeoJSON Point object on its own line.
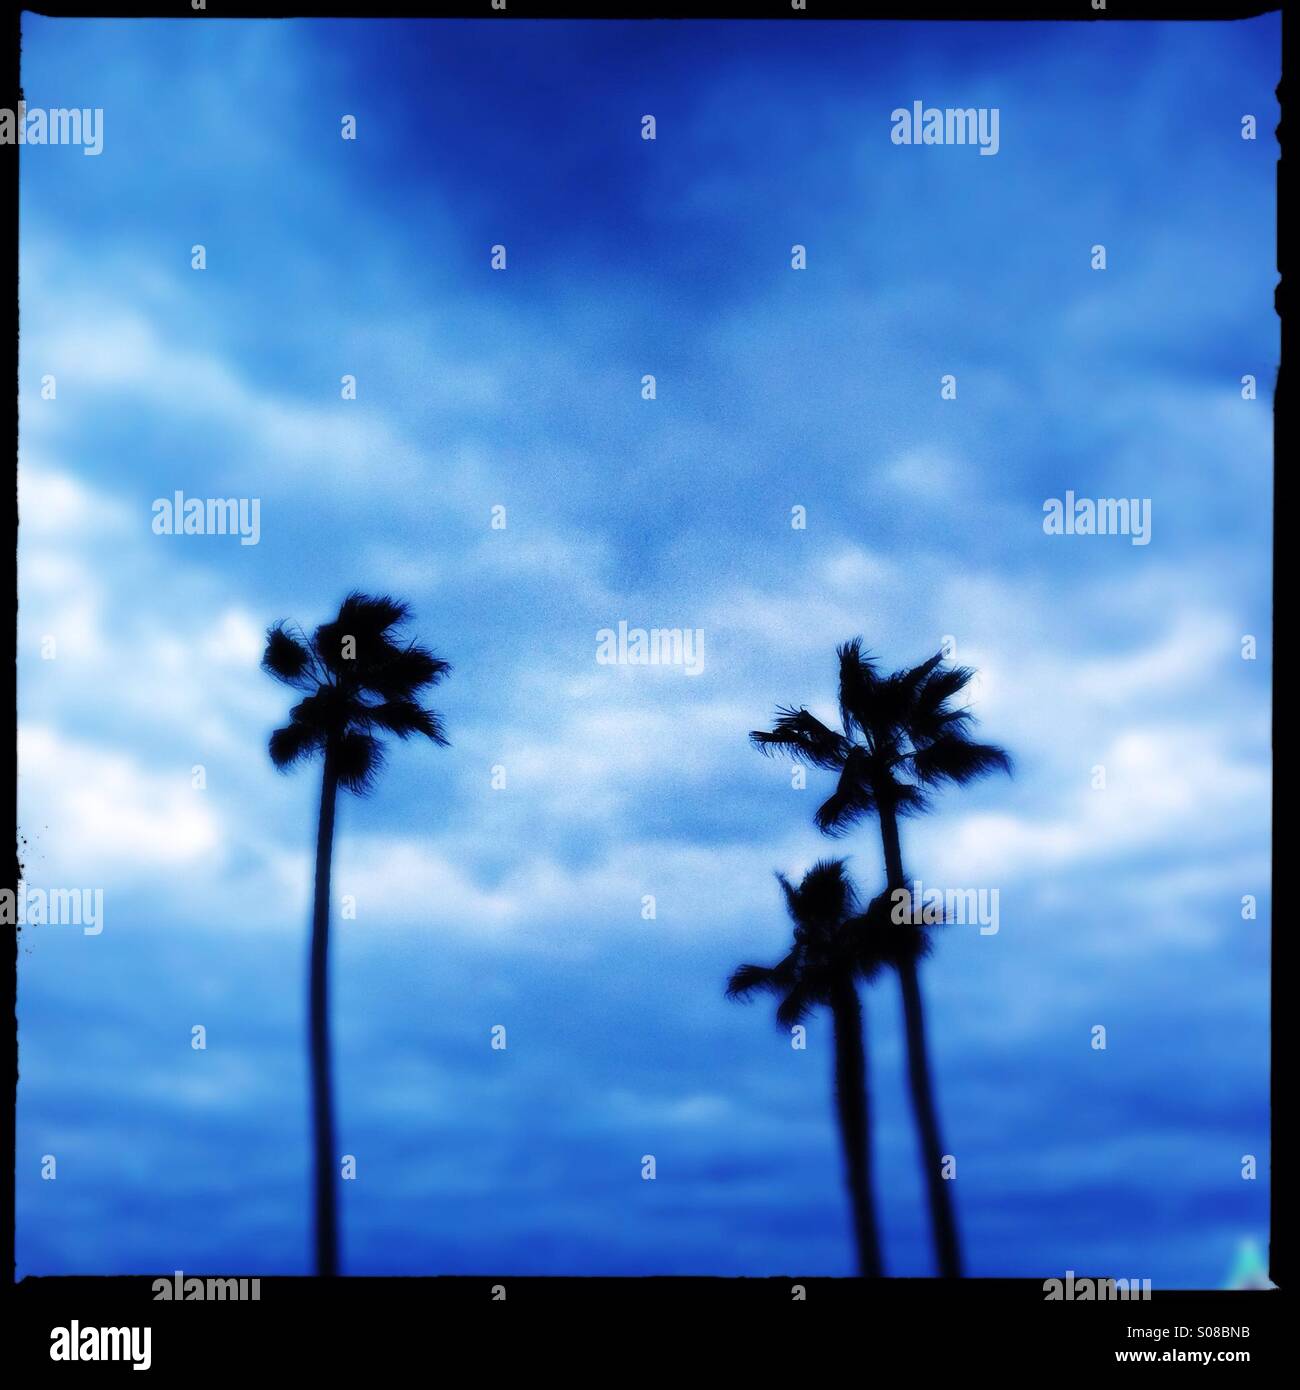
{"type": "Point", "coordinates": [236, 640]}
{"type": "Point", "coordinates": [1197, 644]}
{"type": "Point", "coordinates": [98, 812]}
{"type": "Point", "coordinates": [53, 505]}
{"type": "Point", "coordinates": [539, 903]}
{"type": "Point", "coordinates": [1173, 788]}
{"type": "Point", "coordinates": [117, 350]}
{"type": "Point", "coordinates": [854, 569]}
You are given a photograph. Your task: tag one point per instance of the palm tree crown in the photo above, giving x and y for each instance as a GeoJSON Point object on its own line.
{"type": "Point", "coordinates": [833, 943]}
{"type": "Point", "coordinates": [901, 736]}
{"type": "Point", "coordinates": [359, 679]}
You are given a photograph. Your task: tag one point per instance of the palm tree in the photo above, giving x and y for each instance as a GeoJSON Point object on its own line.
{"type": "Point", "coordinates": [358, 679]}
{"type": "Point", "coordinates": [834, 947]}
{"type": "Point", "coordinates": [901, 736]}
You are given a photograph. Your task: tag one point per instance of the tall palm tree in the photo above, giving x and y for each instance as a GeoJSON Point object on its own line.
{"type": "Point", "coordinates": [901, 736]}
{"type": "Point", "coordinates": [359, 679]}
{"type": "Point", "coordinates": [834, 947]}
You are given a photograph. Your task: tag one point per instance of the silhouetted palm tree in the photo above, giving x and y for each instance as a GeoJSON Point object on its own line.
{"type": "Point", "coordinates": [359, 679]}
{"type": "Point", "coordinates": [834, 947]}
{"type": "Point", "coordinates": [901, 736]}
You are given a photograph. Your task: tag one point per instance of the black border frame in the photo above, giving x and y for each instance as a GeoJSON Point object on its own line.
{"type": "Point", "coordinates": [981, 1324]}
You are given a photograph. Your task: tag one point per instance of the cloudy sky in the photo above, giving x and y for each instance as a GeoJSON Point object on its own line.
{"type": "Point", "coordinates": [776, 388]}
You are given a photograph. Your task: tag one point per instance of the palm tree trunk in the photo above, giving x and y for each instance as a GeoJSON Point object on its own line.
{"type": "Point", "coordinates": [943, 1219]}
{"type": "Point", "coordinates": [851, 1100]}
{"type": "Point", "coordinates": [327, 1243]}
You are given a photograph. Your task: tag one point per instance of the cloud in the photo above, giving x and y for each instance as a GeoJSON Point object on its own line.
{"type": "Point", "coordinates": [57, 507]}
{"type": "Point", "coordinates": [535, 902]}
{"type": "Point", "coordinates": [1167, 789]}
{"type": "Point", "coordinates": [100, 813]}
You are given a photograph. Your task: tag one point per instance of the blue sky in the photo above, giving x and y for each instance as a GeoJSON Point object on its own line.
{"type": "Point", "coordinates": [775, 388]}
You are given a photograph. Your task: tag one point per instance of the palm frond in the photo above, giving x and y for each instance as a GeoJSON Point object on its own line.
{"type": "Point", "coordinates": [796, 1006]}
{"type": "Point", "coordinates": [372, 614]}
{"type": "Point", "coordinates": [924, 725]}
{"type": "Point", "coordinates": [827, 895]}
{"type": "Point", "coordinates": [403, 718]}
{"type": "Point", "coordinates": [864, 965]}
{"type": "Point", "coordinates": [941, 685]}
{"type": "Point", "coordinates": [858, 688]}
{"type": "Point", "coordinates": [292, 744]}
{"type": "Point", "coordinates": [287, 656]}
{"type": "Point", "coordinates": [358, 759]}
{"type": "Point", "coordinates": [878, 939]}
{"type": "Point", "coordinates": [324, 710]}
{"type": "Point", "coordinates": [791, 894]}
{"type": "Point", "coordinates": [915, 678]}
{"type": "Point", "coordinates": [899, 944]}
{"type": "Point", "coordinates": [896, 704]}
{"type": "Point", "coordinates": [852, 800]}
{"type": "Point", "coordinates": [362, 636]}
{"type": "Point", "coordinates": [400, 673]}
{"type": "Point", "coordinates": [951, 758]}
{"type": "Point", "coordinates": [803, 737]}
{"type": "Point", "coordinates": [748, 979]}
{"type": "Point", "coordinates": [928, 716]}
{"type": "Point", "coordinates": [908, 799]}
